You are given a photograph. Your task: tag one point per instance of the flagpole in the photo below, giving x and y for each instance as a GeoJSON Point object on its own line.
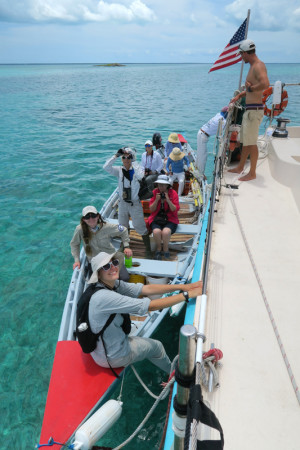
{"type": "Point", "coordinates": [246, 35]}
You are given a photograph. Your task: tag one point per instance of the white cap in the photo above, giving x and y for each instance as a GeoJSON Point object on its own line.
{"type": "Point", "coordinates": [149, 142]}
{"type": "Point", "coordinates": [246, 45]}
{"type": "Point", "coordinates": [89, 209]}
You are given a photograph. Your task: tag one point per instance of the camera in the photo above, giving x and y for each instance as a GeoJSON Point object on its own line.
{"type": "Point", "coordinates": [162, 195]}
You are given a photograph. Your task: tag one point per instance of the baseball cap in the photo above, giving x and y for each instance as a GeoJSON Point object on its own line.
{"type": "Point", "coordinates": [246, 46]}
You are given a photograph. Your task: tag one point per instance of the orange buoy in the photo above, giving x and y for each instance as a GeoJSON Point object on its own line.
{"type": "Point", "coordinates": [233, 140]}
{"type": "Point", "coordinates": [278, 108]}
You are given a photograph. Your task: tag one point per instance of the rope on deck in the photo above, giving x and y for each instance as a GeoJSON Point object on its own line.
{"type": "Point", "coordinates": [283, 352]}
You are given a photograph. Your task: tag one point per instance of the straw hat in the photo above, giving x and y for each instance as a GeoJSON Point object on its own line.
{"type": "Point", "coordinates": [176, 154]}
{"type": "Point", "coordinates": [97, 262]}
{"type": "Point", "coordinates": [173, 137]}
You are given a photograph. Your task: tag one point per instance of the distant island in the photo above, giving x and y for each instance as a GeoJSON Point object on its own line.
{"type": "Point", "coordinates": [109, 65]}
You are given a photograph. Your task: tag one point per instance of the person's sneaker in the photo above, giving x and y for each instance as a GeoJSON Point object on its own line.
{"type": "Point", "coordinates": [157, 255]}
{"type": "Point", "coordinates": [167, 255]}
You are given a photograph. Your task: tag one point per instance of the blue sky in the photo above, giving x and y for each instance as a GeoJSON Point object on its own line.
{"type": "Point", "coordinates": [132, 31]}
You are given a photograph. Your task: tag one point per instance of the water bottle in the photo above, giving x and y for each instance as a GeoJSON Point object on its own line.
{"type": "Point", "coordinates": [128, 261]}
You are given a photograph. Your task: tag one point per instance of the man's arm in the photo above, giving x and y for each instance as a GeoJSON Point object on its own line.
{"type": "Point", "coordinates": [108, 166]}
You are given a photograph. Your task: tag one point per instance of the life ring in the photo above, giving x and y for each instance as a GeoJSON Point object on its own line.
{"type": "Point", "coordinates": [279, 108]}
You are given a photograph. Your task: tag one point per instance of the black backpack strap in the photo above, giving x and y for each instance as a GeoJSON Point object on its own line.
{"type": "Point", "coordinates": [100, 334]}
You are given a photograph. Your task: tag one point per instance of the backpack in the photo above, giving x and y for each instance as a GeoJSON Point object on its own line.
{"type": "Point", "coordinates": [144, 191]}
{"type": "Point", "coordinates": [86, 338]}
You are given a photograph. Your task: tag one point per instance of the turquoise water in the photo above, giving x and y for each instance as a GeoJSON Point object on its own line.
{"type": "Point", "coordinates": [59, 123]}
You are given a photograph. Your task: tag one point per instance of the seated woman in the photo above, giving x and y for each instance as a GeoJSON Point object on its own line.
{"type": "Point", "coordinates": [176, 161]}
{"type": "Point", "coordinates": [116, 348]}
{"type": "Point", "coordinates": [96, 236]}
{"type": "Point", "coordinates": [152, 164]}
{"type": "Point", "coordinates": [173, 141]}
{"type": "Point", "coordinates": [164, 218]}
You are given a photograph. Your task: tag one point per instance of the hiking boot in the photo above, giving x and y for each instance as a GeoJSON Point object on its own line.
{"type": "Point", "coordinates": [158, 255]}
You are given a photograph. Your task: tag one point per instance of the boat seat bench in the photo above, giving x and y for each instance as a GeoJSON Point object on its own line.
{"type": "Point", "coordinates": [181, 229]}
{"type": "Point", "coordinates": [154, 268]}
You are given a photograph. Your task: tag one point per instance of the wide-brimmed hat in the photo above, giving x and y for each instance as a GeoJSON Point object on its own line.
{"type": "Point", "coordinates": [176, 154]}
{"type": "Point", "coordinates": [246, 46]}
{"type": "Point", "coordinates": [173, 137]}
{"type": "Point", "coordinates": [97, 262]}
{"type": "Point", "coordinates": [163, 179]}
{"type": "Point", "coordinates": [89, 209]}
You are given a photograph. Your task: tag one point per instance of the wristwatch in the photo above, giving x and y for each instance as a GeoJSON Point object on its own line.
{"type": "Point", "coordinates": [186, 296]}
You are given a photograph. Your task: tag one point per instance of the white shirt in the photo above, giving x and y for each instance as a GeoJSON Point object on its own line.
{"type": "Point", "coordinates": [123, 181]}
{"type": "Point", "coordinates": [211, 126]}
{"type": "Point", "coordinates": [152, 162]}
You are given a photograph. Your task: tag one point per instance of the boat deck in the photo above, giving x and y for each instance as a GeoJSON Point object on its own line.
{"type": "Point", "coordinates": [256, 403]}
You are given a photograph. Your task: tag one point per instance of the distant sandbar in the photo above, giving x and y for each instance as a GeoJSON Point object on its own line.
{"type": "Point", "coordinates": [109, 65]}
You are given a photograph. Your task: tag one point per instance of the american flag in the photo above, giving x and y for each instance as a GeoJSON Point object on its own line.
{"type": "Point", "coordinates": [229, 56]}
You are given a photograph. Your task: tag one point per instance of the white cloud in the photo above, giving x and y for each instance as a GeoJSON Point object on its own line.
{"type": "Point", "coordinates": [73, 11]}
{"type": "Point", "coordinates": [271, 15]}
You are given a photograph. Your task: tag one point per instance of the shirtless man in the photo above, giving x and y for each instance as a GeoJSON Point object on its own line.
{"type": "Point", "coordinates": [256, 82]}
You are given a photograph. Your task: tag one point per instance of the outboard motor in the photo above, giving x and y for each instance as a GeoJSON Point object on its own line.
{"type": "Point", "coordinates": [281, 131]}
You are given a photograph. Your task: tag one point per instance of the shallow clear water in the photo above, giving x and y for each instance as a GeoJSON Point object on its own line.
{"type": "Point", "coordinates": [58, 125]}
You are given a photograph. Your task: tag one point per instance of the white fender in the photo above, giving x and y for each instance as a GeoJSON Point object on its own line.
{"type": "Point", "coordinates": [97, 425]}
{"type": "Point", "coordinates": [277, 91]}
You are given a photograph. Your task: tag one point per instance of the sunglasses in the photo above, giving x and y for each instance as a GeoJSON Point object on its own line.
{"type": "Point", "coordinates": [127, 157]}
{"type": "Point", "coordinates": [148, 145]}
{"type": "Point", "coordinates": [114, 262]}
{"type": "Point", "coordinates": [90, 216]}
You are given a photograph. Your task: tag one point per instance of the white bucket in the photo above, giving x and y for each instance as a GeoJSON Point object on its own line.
{"type": "Point", "coordinates": [156, 280]}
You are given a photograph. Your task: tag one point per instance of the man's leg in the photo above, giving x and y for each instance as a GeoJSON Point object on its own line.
{"type": "Point", "coordinates": [123, 215]}
{"type": "Point", "coordinates": [251, 175]}
{"type": "Point", "coordinates": [245, 153]}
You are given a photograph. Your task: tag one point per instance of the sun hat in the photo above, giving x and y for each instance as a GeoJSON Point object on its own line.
{"type": "Point", "coordinates": [163, 179]}
{"type": "Point", "coordinates": [97, 262]}
{"type": "Point", "coordinates": [173, 137]}
{"type": "Point", "coordinates": [246, 45]}
{"type": "Point", "coordinates": [149, 142]}
{"type": "Point", "coordinates": [224, 109]}
{"type": "Point", "coordinates": [176, 154]}
{"type": "Point", "coordinates": [89, 209]}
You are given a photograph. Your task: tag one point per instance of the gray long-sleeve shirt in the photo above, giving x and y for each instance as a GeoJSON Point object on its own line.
{"type": "Point", "coordinates": [106, 302]}
{"type": "Point", "coordinates": [100, 240]}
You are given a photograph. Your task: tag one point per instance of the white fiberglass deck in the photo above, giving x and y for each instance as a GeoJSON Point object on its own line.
{"type": "Point", "coordinates": [256, 403]}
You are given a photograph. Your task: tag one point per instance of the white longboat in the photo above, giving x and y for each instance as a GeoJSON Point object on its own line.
{"type": "Point", "coordinates": [78, 386]}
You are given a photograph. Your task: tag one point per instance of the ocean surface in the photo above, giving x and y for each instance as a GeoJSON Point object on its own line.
{"type": "Point", "coordinates": [58, 125]}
